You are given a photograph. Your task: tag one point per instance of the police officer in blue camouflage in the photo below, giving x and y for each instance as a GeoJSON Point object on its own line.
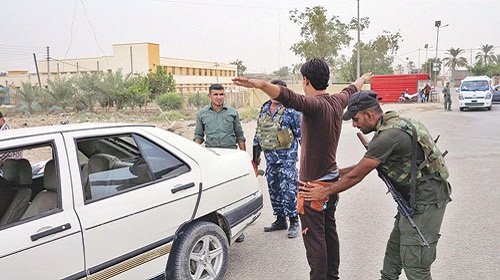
{"type": "Point", "coordinates": [278, 135]}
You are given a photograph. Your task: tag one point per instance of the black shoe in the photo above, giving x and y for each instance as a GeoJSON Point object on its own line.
{"type": "Point", "coordinates": [293, 231]}
{"type": "Point", "coordinates": [279, 224]}
{"type": "Point", "coordinates": [240, 238]}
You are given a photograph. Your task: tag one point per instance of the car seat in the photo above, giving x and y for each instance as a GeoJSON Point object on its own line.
{"type": "Point", "coordinates": [17, 172]}
{"type": "Point", "coordinates": [47, 199]}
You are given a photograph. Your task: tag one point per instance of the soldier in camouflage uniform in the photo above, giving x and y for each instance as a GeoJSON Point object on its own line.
{"type": "Point", "coordinates": [391, 151]}
{"type": "Point", "coordinates": [275, 123]}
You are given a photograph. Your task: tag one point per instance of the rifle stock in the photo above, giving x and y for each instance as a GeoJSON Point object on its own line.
{"type": "Point", "coordinates": [396, 195]}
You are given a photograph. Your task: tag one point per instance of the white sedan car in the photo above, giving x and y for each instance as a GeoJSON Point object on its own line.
{"type": "Point", "coordinates": [120, 201]}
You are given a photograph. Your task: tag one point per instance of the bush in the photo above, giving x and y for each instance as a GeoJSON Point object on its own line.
{"type": "Point", "coordinates": [170, 101]}
{"type": "Point", "coordinates": [198, 100]}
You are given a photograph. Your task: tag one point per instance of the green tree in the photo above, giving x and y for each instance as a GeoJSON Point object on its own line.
{"type": "Point", "coordinates": [282, 73]}
{"type": "Point", "coordinates": [88, 90]}
{"type": "Point", "coordinates": [376, 56]}
{"type": "Point", "coordinates": [198, 100]}
{"type": "Point", "coordinates": [322, 37]}
{"type": "Point", "coordinates": [478, 69]}
{"type": "Point", "coordinates": [454, 60]}
{"type": "Point", "coordinates": [138, 91]}
{"type": "Point", "coordinates": [28, 95]}
{"type": "Point", "coordinates": [170, 101]}
{"type": "Point", "coordinates": [113, 90]}
{"type": "Point", "coordinates": [160, 82]}
{"type": "Point", "coordinates": [241, 68]}
{"type": "Point", "coordinates": [486, 54]}
{"type": "Point", "coordinates": [3, 94]}
{"type": "Point", "coordinates": [61, 92]}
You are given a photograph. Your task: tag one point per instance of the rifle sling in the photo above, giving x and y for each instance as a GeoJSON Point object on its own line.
{"type": "Point", "coordinates": [413, 171]}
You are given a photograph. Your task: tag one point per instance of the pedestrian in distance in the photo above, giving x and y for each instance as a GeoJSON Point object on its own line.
{"type": "Point", "coordinates": [219, 126]}
{"type": "Point", "coordinates": [403, 151]}
{"type": "Point", "coordinates": [427, 92]}
{"type": "Point", "coordinates": [447, 97]}
{"type": "Point", "coordinates": [278, 136]}
{"type": "Point", "coordinates": [320, 131]}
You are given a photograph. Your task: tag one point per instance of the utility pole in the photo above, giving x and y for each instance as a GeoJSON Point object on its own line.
{"type": "Point", "coordinates": [131, 62]}
{"type": "Point", "coordinates": [37, 72]}
{"type": "Point", "coordinates": [358, 64]}
{"type": "Point", "coordinates": [48, 66]}
{"type": "Point", "coordinates": [217, 71]}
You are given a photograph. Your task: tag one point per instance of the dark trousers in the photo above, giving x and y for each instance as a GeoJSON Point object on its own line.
{"type": "Point", "coordinates": [319, 233]}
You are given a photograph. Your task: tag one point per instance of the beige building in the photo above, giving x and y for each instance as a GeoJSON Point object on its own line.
{"type": "Point", "coordinates": [191, 76]}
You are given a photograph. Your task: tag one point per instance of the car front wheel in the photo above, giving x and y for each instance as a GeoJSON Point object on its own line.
{"type": "Point", "coordinates": [201, 252]}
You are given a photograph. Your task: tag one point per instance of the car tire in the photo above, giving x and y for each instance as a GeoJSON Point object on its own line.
{"type": "Point", "coordinates": [201, 252]}
{"type": "Point", "coordinates": [461, 108]}
{"type": "Point", "coordinates": [489, 108]}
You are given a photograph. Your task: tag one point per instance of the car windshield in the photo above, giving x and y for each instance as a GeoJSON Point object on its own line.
{"type": "Point", "coordinates": [474, 85]}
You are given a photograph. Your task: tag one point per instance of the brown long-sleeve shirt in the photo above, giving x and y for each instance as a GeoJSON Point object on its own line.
{"type": "Point", "coordinates": [321, 126]}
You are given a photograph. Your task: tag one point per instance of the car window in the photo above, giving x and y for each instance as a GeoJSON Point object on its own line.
{"type": "Point", "coordinates": [29, 183]}
{"type": "Point", "coordinates": [474, 85]}
{"type": "Point", "coordinates": [119, 163]}
{"type": "Point", "coordinates": [163, 164]}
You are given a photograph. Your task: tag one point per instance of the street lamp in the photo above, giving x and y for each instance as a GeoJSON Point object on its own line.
{"type": "Point", "coordinates": [437, 24]}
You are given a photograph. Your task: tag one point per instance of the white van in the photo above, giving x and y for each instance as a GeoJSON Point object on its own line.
{"type": "Point", "coordinates": [475, 92]}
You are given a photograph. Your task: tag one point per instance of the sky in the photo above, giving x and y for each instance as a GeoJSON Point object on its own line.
{"type": "Point", "coordinates": [257, 32]}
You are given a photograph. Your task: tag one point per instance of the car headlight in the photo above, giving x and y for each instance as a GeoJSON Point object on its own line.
{"type": "Point", "coordinates": [460, 97]}
{"type": "Point", "coordinates": [488, 95]}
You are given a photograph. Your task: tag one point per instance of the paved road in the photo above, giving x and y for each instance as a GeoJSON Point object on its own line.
{"type": "Point", "coordinates": [470, 242]}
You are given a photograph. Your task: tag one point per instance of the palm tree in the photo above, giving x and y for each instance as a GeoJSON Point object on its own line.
{"type": "Point", "coordinates": [453, 60]}
{"type": "Point", "coordinates": [486, 54]}
{"type": "Point", "coordinates": [28, 95]}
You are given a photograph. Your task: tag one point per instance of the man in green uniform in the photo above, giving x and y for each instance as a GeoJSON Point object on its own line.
{"type": "Point", "coordinates": [391, 151]}
{"type": "Point", "coordinates": [447, 97]}
{"type": "Point", "coordinates": [219, 126]}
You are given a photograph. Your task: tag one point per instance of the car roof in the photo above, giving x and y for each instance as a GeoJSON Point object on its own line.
{"type": "Point", "coordinates": [476, 78]}
{"type": "Point", "coordinates": [41, 130]}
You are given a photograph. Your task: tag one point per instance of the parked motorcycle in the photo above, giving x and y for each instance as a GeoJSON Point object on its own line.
{"type": "Point", "coordinates": [408, 98]}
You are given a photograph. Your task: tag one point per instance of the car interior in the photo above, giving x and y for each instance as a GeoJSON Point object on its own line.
{"type": "Point", "coordinates": [109, 165]}
{"type": "Point", "coordinates": [24, 192]}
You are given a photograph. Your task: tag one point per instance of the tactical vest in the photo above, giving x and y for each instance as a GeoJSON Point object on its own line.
{"type": "Point", "coordinates": [269, 132]}
{"type": "Point", "coordinates": [398, 168]}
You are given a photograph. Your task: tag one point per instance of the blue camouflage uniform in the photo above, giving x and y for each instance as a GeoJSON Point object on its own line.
{"type": "Point", "coordinates": [281, 170]}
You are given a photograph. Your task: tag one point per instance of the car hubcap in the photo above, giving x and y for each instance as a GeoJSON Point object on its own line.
{"type": "Point", "coordinates": [206, 258]}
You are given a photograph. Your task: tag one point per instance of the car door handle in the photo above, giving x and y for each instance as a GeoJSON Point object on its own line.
{"type": "Point", "coordinates": [51, 231]}
{"type": "Point", "coordinates": [182, 187]}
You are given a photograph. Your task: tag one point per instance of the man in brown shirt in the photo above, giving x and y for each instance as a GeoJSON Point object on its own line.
{"type": "Point", "coordinates": [321, 126]}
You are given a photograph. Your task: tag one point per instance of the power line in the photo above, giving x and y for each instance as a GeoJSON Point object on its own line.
{"type": "Point", "coordinates": [71, 30]}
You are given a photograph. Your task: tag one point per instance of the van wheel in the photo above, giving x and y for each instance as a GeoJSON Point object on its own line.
{"type": "Point", "coordinates": [489, 108]}
{"type": "Point", "coordinates": [201, 252]}
{"type": "Point", "coordinates": [461, 108]}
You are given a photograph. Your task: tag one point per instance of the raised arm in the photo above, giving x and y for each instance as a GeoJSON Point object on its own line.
{"type": "Point", "coordinates": [362, 80]}
{"type": "Point", "coordinates": [273, 91]}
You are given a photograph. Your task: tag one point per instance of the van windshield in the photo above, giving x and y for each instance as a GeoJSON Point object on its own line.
{"type": "Point", "coordinates": [474, 85]}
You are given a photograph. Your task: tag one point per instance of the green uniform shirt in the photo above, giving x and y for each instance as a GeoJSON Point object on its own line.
{"type": "Point", "coordinates": [394, 141]}
{"type": "Point", "coordinates": [219, 129]}
{"type": "Point", "coordinates": [446, 91]}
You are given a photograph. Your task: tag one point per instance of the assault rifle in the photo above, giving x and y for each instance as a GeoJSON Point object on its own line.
{"type": "Point", "coordinates": [398, 197]}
